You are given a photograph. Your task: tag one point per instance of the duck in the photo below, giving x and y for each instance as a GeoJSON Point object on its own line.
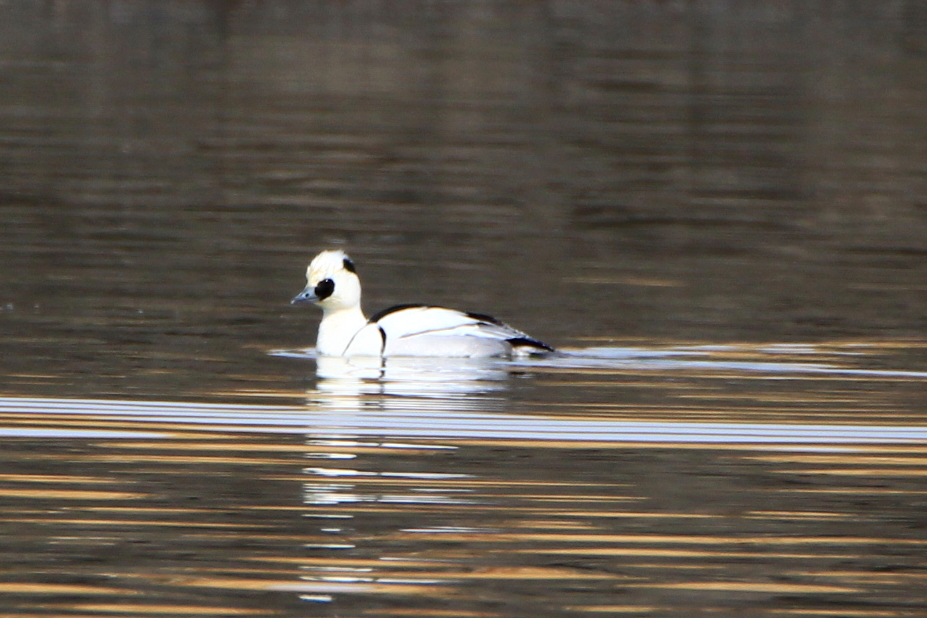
{"type": "Point", "coordinates": [333, 285]}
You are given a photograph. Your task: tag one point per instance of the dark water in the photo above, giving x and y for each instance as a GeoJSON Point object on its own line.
{"type": "Point", "coordinates": [718, 210]}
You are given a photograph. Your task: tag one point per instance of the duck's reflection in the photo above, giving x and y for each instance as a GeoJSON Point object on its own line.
{"type": "Point", "coordinates": [357, 477]}
{"type": "Point", "coordinates": [432, 378]}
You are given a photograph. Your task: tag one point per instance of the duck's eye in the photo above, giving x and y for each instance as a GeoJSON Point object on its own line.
{"type": "Point", "coordinates": [324, 288]}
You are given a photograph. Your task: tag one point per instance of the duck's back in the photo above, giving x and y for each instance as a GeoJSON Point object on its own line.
{"type": "Point", "coordinates": [421, 330]}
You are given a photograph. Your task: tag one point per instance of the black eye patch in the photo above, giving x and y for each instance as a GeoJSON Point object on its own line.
{"type": "Point", "coordinates": [349, 265]}
{"type": "Point", "coordinates": [324, 288]}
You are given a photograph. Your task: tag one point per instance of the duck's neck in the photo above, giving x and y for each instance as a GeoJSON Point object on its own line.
{"type": "Point", "coordinates": [337, 329]}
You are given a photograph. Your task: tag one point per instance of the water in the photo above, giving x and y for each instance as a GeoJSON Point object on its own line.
{"type": "Point", "coordinates": [716, 212]}
{"type": "Point", "coordinates": [749, 479]}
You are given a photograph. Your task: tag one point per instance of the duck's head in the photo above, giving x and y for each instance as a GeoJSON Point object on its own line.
{"type": "Point", "coordinates": [332, 282]}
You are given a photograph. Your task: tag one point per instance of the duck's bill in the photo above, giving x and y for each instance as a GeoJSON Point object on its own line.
{"type": "Point", "coordinates": [306, 296]}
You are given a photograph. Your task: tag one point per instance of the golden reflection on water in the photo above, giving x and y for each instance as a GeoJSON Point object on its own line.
{"type": "Point", "coordinates": [129, 609]}
{"type": "Point", "coordinates": [742, 488]}
{"type": "Point", "coordinates": [64, 494]}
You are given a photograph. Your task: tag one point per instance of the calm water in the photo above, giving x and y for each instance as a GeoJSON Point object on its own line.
{"type": "Point", "coordinates": [718, 211]}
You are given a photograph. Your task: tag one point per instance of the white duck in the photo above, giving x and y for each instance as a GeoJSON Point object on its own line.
{"type": "Point", "coordinates": [403, 330]}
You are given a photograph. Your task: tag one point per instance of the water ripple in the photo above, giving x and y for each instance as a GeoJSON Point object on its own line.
{"type": "Point", "coordinates": [463, 425]}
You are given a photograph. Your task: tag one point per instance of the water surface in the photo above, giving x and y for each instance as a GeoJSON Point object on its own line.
{"type": "Point", "coordinates": [715, 210]}
{"type": "Point", "coordinates": [729, 478]}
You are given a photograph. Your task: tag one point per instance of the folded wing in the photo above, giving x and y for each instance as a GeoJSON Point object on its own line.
{"type": "Point", "coordinates": [416, 329]}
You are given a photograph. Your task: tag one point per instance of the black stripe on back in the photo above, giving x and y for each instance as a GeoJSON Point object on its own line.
{"type": "Point", "coordinates": [528, 341]}
{"type": "Point", "coordinates": [379, 315]}
{"type": "Point", "coordinates": [482, 317]}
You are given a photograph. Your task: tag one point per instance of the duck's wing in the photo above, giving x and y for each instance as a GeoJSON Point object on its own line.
{"type": "Point", "coordinates": [404, 323]}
